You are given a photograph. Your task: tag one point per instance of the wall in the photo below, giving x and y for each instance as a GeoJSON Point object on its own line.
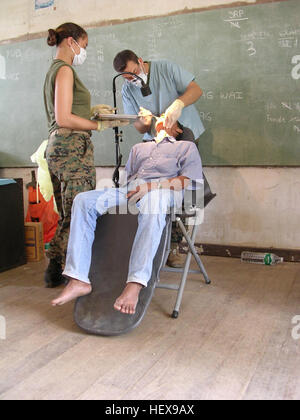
{"type": "Point", "coordinates": [255, 207]}
{"type": "Point", "coordinates": [19, 17]}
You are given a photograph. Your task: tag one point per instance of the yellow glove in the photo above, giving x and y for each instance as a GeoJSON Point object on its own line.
{"type": "Point", "coordinates": [145, 116]}
{"type": "Point", "coordinates": [173, 113]}
{"type": "Point", "coordinates": [101, 109]}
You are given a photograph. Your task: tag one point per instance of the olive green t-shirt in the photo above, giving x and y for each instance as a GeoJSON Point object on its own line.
{"type": "Point", "coordinates": [81, 105]}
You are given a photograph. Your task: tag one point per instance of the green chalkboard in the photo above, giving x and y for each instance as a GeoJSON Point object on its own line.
{"type": "Point", "coordinates": [246, 60]}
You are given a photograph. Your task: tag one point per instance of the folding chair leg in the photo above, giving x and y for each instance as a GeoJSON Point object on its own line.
{"type": "Point", "coordinates": [186, 270]}
{"type": "Point", "coordinates": [182, 285]}
{"type": "Point", "coordinates": [192, 248]}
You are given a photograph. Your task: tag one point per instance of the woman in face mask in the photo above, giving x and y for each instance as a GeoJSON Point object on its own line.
{"type": "Point", "coordinates": [70, 151]}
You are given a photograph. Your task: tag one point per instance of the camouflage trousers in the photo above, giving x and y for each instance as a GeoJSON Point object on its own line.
{"type": "Point", "coordinates": [70, 158]}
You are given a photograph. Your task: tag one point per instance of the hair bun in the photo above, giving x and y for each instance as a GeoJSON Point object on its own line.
{"type": "Point", "coordinates": [52, 37]}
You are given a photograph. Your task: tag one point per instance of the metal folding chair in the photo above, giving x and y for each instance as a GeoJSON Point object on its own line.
{"type": "Point", "coordinates": [194, 210]}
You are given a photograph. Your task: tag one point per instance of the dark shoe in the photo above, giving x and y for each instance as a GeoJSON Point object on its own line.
{"type": "Point", "coordinates": [175, 259]}
{"type": "Point", "coordinates": [53, 275]}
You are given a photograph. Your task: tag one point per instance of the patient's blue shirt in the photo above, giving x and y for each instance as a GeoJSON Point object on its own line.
{"type": "Point", "coordinates": [164, 160]}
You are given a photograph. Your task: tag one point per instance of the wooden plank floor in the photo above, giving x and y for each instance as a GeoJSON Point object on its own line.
{"type": "Point", "coordinates": [232, 340]}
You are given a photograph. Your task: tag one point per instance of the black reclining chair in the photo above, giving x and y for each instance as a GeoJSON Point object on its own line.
{"type": "Point", "coordinates": [114, 237]}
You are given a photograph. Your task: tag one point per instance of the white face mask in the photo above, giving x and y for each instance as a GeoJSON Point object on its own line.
{"type": "Point", "coordinates": [79, 58]}
{"type": "Point", "coordinates": [138, 82]}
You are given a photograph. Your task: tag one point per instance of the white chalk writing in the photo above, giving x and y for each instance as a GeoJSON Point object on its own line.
{"type": "Point", "coordinates": [208, 95]}
{"type": "Point", "coordinates": [235, 18]}
{"type": "Point", "coordinates": [285, 33]}
{"type": "Point", "coordinates": [252, 40]}
{"type": "Point", "coordinates": [2, 67]}
{"type": "Point", "coordinates": [14, 53]}
{"type": "Point", "coordinates": [278, 120]}
{"type": "Point", "coordinates": [296, 69]}
{"type": "Point", "coordinates": [254, 36]}
{"type": "Point", "coordinates": [13, 76]}
{"type": "Point", "coordinates": [107, 37]}
{"type": "Point", "coordinates": [251, 49]}
{"type": "Point", "coordinates": [283, 113]}
{"type": "Point", "coordinates": [295, 119]}
{"type": "Point", "coordinates": [231, 95]}
{"type": "Point", "coordinates": [206, 116]}
{"type": "Point", "coordinates": [281, 120]}
{"type": "Point", "coordinates": [289, 105]}
{"type": "Point", "coordinates": [100, 54]}
{"type": "Point", "coordinates": [152, 43]}
{"type": "Point", "coordinates": [289, 38]}
{"type": "Point", "coordinates": [103, 93]}
{"type": "Point", "coordinates": [288, 42]}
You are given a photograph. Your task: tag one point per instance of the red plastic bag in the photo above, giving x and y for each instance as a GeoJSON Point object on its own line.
{"type": "Point", "coordinates": [42, 211]}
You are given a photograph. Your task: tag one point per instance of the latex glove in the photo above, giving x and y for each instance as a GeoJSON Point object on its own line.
{"type": "Point", "coordinates": [112, 123]}
{"type": "Point", "coordinates": [101, 109]}
{"type": "Point", "coordinates": [145, 116]}
{"type": "Point", "coordinates": [173, 113]}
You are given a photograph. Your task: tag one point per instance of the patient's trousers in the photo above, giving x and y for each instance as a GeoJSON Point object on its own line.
{"type": "Point", "coordinates": [86, 209]}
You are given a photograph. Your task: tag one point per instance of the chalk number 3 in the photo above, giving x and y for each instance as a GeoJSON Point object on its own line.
{"type": "Point", "coordinates": [296, 69]}
{"type": "Point", "coordinates": [251, 49]}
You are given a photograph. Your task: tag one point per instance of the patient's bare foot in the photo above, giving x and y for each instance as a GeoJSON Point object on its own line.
{"type": "Point", "coordinates": [73, 290]}
{"type": "Point", "coordinates": [126, 303]}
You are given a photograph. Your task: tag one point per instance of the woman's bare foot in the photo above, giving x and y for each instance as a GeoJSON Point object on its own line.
{"type": "Point", "coordinates": [74, 289]}
{"type": "Point", "coordinates": [126, 303]}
